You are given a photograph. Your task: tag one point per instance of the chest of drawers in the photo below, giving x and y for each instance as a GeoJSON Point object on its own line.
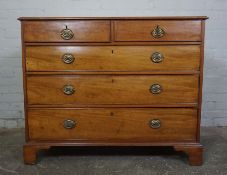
{"type": "Point", "coordinates": [113, 82]}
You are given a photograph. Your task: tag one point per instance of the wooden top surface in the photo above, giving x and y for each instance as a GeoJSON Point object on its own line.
{"type": "Point", "coordinates": [120, 18]}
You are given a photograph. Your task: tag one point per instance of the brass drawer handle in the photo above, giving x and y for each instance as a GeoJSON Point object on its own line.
{"type": "Point", "coordinates": [68, 90]}
{"type": "Point", "coordinates": [156, 89]}
{"type": "Point", "coordinates": [155, 123]}
{"type": "Point", "coordinates": [158, 32]}
{"type": "Point", "coordinates": [68, 58]}
{"type": "Point", "coordinates": [157, 57]}
{"type": "Point", "coordinates": [66, 33]}
{"type": "Point", "coordinates": [69, 124]}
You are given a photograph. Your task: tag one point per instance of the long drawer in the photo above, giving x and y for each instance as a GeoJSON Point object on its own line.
{"type": "Point", "coordinates": [112, 58]}
{"type": "Point", "coordinates": [147, 125]}
{"type": "Point", "coordinates": [67, 31]}
{"type": "Point", "coordinates": [112, 89]}
{"type": "Point", "coordinates": [157, 30]}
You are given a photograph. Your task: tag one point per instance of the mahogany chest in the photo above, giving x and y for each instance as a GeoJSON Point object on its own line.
{"type": "Point", "coordinates": [113, 81]}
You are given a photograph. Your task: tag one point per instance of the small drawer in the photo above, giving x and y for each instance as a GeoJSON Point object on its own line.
{"type": "Point", "coordinates": [67, 31]}
{"type": "Point", "coordinates": [117, 124]}
{"type": "Point", "coordinates": [157, 30]}
{"type": "Point", "coordinates": [112, 58]}
{"type": "Point", "coordinates": [91, 90]}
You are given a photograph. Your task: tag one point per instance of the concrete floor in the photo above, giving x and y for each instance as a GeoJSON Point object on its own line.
{"type": "Point", "coordinates": [106, 161]}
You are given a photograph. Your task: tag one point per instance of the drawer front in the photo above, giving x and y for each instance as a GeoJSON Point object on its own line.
{"type": "Point", "coordinates": [167, 30]}
{"type": "Point", "coordinates": [112, 58]}
{"type": "Point", "coordinates": [67, 31]}
{"type": "Point", "coordinates": [145, 125]}
{"type": "Point", "coordinates": [112, 89]}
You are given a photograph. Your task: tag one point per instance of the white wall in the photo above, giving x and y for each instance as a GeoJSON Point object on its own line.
{"type": "Point", "coordinates": [215, 80]}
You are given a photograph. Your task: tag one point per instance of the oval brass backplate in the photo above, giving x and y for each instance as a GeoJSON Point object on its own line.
{"type": "Point", "coordinates": [68, 89]}
{"type": "Point", "coordinates": [158, 32]}
{"type": "Point", "coordinates": [68, 58]}
{"type": "Point", "coordinates": [157, 57]}
{"type": "Point", "coordinates": [156, 89]}
{"type": "Point", "coordinates": [66, 33]}
{"type": "Point", "coordinates": [155, 123]}
{"type": "Point", "coordinates": [69, 124]}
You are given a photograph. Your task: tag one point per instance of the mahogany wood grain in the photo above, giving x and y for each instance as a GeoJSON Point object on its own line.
{"type": "Point", "coordinates": [75, 72]}
{"type": "Point", "coordinates": [112, 58]}
{"type": "Point", "coordinates": [112, 89]}
{"type": "Point", "coordinates": [112, 75]}
{"type": "Point", "coordinates": [113, 43]}
{"type": "Point", "coordinates": [201, 80]}
{"type": "Point", "coordinates": [140, 30]}
{"type": "Point", "coordinates": [24, 80]}
{"type": "Point", "coordinates": [114, 143]}
{"type": "Point", "coordinates": [31, 148]}
{"type": "Point", "coordinates": [84, 31]}
{"type": "Point", "coordinates": [30, 153]}
{"type": "Point", "coordinates": [194, 152]}
{"type": "Point", "coordinates": [112, 18]}
{"type": "Point", "coordinates": [113, 123]}
{"type": "Point", "coordinates": [159, 105]}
